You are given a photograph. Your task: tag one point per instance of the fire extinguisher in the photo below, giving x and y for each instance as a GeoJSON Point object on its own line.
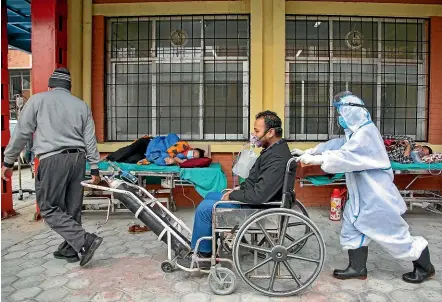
{"type": "Point", "coordinates": [336, 202]}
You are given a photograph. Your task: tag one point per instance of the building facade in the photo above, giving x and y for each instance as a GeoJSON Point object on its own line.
{"type": "Point", "coordinates": [203, 69]}
{"type": "Point", "coordinates": [19, 69]}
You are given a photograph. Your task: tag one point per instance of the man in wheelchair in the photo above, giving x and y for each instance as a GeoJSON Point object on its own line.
{"type": "Point", "coordinates": [264, 183]}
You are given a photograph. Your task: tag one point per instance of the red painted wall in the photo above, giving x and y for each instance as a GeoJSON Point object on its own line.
{"type": "Point", "coordinates": [19, 59]}
{"type": "Point", "coordinates": [435, 112]}
{"type": "Point", "coordinates": [49, 40]}
{"type": "Point", "coordinates": [98, 61]}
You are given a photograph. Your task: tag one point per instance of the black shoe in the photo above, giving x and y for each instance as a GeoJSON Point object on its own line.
{"type": "Point", "coordinates": [70, 259]}
{"type": "Point", "coordinates": [357, 268]}
{"type": "Point", "coordinates": [423, 269]}
{"type": "Point", "coordinates": [89, 248]}
{"type": "Point", "coordinates": [187, 261]}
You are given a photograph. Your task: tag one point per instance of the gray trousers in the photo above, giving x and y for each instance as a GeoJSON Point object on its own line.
{"type": "Point", "coordinates": [60, 197]}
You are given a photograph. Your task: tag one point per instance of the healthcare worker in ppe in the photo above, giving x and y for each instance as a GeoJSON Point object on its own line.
{"type": "Point", "coordinates": [374, 207]}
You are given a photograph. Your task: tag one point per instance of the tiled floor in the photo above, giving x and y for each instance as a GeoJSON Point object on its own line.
{"type": "Point", "coordinates": [127, 267]}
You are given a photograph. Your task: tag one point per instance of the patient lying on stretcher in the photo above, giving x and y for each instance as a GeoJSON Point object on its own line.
{"type": "Point", "coordinates": [404, 150]}
{"type": "Point", "coordinates": [184, 156]}
{"type": "Point", "coordinates": [400, 148]}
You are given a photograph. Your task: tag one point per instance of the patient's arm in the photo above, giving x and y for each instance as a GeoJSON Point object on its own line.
{"type": "Point", "coordinates": [179, 160]}
{"type": "Point", "coordinates": [169, 161]}
{"type": "Point", "coordinates": [407, 151]}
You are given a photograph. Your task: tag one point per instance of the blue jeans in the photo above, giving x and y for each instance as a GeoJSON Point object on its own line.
{"type": "Point", "coordinates": [202, 225]}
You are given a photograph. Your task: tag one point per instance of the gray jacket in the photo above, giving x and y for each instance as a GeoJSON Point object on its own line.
{"type": "Point", "coordinates": [60, 121]}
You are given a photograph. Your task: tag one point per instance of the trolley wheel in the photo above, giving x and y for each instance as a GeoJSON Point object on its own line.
{"type": "Point", "coordinates": [20, 197]}
{"type": "Point", "coordinates": [222, 281]}
{"type": "Point", "coordinates": [167, 266]}
{"type": "Point", "coordinates": [288, 273]}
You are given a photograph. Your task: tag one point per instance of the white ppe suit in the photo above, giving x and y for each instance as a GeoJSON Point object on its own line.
{"type": "Point", "coordinates": [374, 207]}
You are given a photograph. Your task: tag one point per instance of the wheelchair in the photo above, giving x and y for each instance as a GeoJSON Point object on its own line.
{"type": "Point", "coordinates": [276, 249]}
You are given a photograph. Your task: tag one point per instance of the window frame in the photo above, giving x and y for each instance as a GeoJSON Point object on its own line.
{"type": "Point", "coordinates": [378, 62]}
{"type": "Point", "coordinates": [155, 58]}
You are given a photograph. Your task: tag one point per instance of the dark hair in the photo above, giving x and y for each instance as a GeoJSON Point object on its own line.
{"type": "Point", "coordinates": [430, 151]}
{"type": "Point", "coordinates": [271, 120]}
{"type": "Point", "coordinates": [200, 152]}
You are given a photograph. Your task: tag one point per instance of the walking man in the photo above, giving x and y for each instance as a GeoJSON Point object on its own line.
{"type": "Point", "coordinates": [64, 139]}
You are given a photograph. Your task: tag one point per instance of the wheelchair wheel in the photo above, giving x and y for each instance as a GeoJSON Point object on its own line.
{"type": "Point", "coordinates": [299, 207]}
{"type": "Point", "coordinates": [222, 281]}
{"type": "Point", "coordinates": [282, 272]}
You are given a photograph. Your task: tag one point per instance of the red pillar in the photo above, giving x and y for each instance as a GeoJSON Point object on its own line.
{"type": "Point", "coordinates": [49, 43]}
{"type": "Point", "coordinates": [7, 208]}
{"type": "Point", "coordinates": [435, 108]}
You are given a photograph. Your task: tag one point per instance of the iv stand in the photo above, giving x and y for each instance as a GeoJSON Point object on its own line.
{"type": "Point", "coordinates": [20, 190]}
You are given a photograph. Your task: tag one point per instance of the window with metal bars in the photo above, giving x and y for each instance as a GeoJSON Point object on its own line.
{"type": "Point", "coordinates": [19, 80]}
{"type": "Point", "coordinates": [178, 74]}
{"type": "Point", "coordinates": [384, 61]}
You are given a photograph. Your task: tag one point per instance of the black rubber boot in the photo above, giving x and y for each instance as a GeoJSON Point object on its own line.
{"type": "Point", "coordinates": [423, 269]}
{"type": "Point", "coordinates": [357, 267]}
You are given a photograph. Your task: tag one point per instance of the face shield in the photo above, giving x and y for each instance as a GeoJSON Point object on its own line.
{"type": "Point", "coordinates": [352, 113]}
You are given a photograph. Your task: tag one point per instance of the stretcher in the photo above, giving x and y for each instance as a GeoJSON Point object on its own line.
{"type": "Point", "coordinates": [430, 200]}
{"type": "Point", "coordinates": [205, 180]}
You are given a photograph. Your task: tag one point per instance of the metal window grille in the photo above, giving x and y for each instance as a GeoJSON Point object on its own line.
{"type": "Point", "coordinates": [384, 61]}
{"type": "Point", "coordinates": [19, 80]}
{"type": "Point", "coordinates": [178, 74]}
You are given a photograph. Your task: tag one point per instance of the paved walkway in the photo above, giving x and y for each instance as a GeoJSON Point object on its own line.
{"type": "Point", "coordinates": [127, 267]}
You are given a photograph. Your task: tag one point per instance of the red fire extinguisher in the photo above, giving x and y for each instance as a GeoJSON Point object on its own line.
{"type": "Point", "coordinates": [336, 202]}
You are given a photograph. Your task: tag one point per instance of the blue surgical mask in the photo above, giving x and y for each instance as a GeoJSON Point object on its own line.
{"type": "Point", "coordinates": [190, 154]}
{"type": "Point", "coordinates": [415, 156]}
{"type": "Point", "coordinates": [342, 122]}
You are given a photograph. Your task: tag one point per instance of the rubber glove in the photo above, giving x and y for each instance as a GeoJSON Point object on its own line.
{"type": "Point", "coordinates": [310, 151]}
{"type": "Point", "coordinates": [311, 159]}
{"type": "Point", "coordinates": [297, 152]}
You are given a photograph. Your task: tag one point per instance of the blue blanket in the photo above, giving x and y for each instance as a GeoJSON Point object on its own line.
{"type": "Point", "coordinates": [157, 149]}
{"type": "Point", "coordinates": [205, 180]}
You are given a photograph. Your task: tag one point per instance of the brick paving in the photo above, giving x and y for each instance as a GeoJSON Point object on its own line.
{"type": "Point", "coordinates": [127, 267]}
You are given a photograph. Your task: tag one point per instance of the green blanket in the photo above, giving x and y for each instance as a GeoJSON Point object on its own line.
{"type": "Point", "coordinates": [416, 166]}
{"type": "Point", "coordinates": [325, 180]}
{"type": "Point", "coordinates": [205, 180]}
